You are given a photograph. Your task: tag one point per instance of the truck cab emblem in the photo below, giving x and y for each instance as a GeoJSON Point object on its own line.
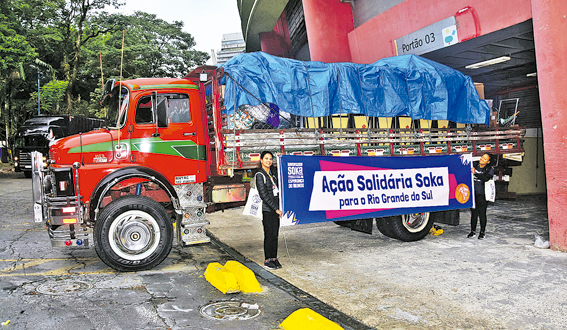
{"type": "Point", "coordinates": [100, 159]}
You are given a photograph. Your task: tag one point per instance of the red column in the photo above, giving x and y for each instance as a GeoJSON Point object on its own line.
{"type": "Point", "coordinates": [550, 35]}
{"type": "Point", "coordinates": [271, 43]}
{"type": "Point", "coordinates": [276, 42]}
{"type": "Point", "coordinates": [328, 23]}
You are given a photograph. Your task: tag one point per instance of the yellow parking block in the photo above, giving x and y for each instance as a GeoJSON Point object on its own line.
{"type": "Point", "coordinates": [436, 230]}
{"type": "Point", "coordinates": [244, 276]}
{"type": "Point", "coordinates": [306, 319]}
{"type": "Point", "coordinates": [221, 278]}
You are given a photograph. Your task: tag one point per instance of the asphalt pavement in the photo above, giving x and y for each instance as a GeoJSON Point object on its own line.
{"type": "Point", "coordinates": [57, 288]}
{"type": "Point", "coordinates": [357, 280]}
{"type": "Point", "coordinates": [441, 282]}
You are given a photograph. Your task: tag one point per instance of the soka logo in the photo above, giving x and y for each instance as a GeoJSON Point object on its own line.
{"type": "Point", "coordinates": [256, 199]}
{"type": "Point", "coordinates": [462, 193]}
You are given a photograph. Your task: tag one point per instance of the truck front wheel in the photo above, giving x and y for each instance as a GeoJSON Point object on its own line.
{"type": "Point", "coordinates": [410, 227]}
{"type": "Point", "coordinates": [133, 233]}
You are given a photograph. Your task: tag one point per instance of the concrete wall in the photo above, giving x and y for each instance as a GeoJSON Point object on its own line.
{"type": "Point", "coordinates": [364, 10]}
{"type": "Point", "coordinates": [374, 39]}
{"type": "Point", "coordinates": [529, 178]}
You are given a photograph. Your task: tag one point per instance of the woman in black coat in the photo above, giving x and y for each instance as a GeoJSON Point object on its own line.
{"type": "Point", "coordinates": [266, 183]}
{"type": "Point", "coordinates": [482, 173]}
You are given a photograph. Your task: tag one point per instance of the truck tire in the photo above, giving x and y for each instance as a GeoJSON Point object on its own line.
{"type": "Point", "coordinates": [411, 227]}
{"type": "Point", "coordinates": [28, 174]}
{"type": "Point", "coordinates": [384, 225]}
{"type": "Point", "coordinates": [133, 233]}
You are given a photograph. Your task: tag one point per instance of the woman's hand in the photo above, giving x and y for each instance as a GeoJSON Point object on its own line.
{"type": "Point", "coordinates": [279, 212]}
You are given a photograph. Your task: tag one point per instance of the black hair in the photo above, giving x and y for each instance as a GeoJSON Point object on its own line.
{"type": "Point", "coordinates": [264, 154]}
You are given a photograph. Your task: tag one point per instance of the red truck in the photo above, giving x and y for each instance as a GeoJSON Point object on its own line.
{"type": "Point", "coordinates": [170, 157]}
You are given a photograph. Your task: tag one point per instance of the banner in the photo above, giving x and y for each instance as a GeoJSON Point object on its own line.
{"type": "Point", "coordinates": [327, 188]}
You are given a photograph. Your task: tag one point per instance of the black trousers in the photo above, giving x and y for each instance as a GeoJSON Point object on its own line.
{"type": "Point", "coordinates": [271, 222]}
{"type": "Point", "coordinates": [479, 212]}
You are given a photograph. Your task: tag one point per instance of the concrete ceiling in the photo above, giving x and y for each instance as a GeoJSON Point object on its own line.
{"type": "Point", "coordinates": [516, 42]}
{"type": "Point", "coordinates": [258, 16]}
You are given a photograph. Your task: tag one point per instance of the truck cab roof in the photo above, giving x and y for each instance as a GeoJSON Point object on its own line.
{"type": "Point", "coordinates": [155, 83]}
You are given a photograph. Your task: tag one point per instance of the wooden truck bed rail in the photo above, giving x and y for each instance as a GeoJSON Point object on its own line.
{"type": "Point", "coordinates": [242, 148]}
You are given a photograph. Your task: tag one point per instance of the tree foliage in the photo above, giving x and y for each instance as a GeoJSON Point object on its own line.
{"type": "Point", "coordinates": [15, 53]}
{"type": "Point", "coordinates": [69, 44]}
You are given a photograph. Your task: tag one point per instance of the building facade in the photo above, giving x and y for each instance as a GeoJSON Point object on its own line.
{"type": "Point", "coordinates": [232, 44]}
{"type": "Point", "coordinates": [524, 40]}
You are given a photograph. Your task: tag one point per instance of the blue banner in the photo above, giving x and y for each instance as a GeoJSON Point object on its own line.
{"type": "Point", "coordinates": [327, 188]}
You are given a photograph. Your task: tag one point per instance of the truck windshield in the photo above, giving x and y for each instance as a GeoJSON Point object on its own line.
{"type": "Point", "coordinates": [118, 107]}
{"type": "Point", "coordinates": [19, 141]}
{"type": "Point", "coordinates": [31, 141]}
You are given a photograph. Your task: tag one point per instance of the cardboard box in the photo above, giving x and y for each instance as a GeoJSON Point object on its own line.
{"type": "Point", "coordinates": [493, 119]}
{"type": "Point", "coordinates": [480, 89]}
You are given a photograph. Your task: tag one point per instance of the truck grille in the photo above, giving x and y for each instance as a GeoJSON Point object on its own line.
{"type": "Point", "coordinates": [25, 160]}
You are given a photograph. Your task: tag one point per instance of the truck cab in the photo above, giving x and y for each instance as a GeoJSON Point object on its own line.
{"type": "Point", "coordinates": [152, 152]}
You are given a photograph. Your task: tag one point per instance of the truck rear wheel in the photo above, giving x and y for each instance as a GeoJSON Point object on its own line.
{"type": "Point", "coordinates": [411, 227]}
{"type": "Point", "coordinates": [384, 225]}
{"type": "Point", "coordinates": [133, 233]}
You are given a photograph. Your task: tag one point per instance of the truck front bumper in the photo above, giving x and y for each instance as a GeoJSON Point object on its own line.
{"type": "Point", "coordinates": [62, 215]}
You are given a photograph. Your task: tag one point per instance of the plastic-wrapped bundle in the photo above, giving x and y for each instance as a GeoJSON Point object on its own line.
{"type": "Point", "coordinates": [405, 85]}
{"type": "Point", "coordinates": [241, 119]}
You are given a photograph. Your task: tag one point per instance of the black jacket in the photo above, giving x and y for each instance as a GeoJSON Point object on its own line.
{"type": "Point", "coordinates": [481, 175]}
{"type": "Point", "coordinates": [270, 203]}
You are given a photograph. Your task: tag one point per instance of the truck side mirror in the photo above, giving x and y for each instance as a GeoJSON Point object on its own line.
{"type": "Point", "coordinates": [107, 92]}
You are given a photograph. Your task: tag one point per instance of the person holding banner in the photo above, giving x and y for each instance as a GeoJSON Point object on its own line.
{"type": "Point", "coordinates": [266, 183]}
{"type": "Point", "coordinates": [482, 172]}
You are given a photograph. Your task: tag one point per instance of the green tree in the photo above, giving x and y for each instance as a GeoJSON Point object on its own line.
{"type": "Point", "coordinates": [80, 23]}
{"type": "Point", "coordinates": [52, 96]}
{"type": "Point", "coordinates": [15, 53]}
{"type": "Point", "coordinates": [164, 47]}
{"type": "Point", "coordinates": [152, 48]}
{"type": "Point", "coordinates": [68, 38]}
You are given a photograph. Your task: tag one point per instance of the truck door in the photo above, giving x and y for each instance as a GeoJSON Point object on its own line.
{"type": "Point", "coordinates": [168, 136]}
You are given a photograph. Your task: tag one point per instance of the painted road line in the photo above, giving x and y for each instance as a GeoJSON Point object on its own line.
{"type": "Point", "coordinates": [77, 266]}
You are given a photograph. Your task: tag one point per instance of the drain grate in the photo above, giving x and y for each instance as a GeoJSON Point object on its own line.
{"type": "Point", "coordinates": [231, 310]}
{"type": "Point", "coordinates": [63, 287]}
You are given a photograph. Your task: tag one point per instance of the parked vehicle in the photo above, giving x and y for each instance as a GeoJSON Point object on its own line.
{"type": "Point", "coordinates": [174, 153]}
{"type": "Point", "coordinates": [36, 134]}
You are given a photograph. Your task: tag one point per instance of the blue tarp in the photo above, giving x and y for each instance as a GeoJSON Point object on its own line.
{"type": "Point", "coordinates": [406, 85]}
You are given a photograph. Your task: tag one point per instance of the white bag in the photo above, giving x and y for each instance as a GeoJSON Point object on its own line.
{"type": "Point", "coordinates": [253, 205]}
{"type": "Point", "coordinates": [490, 190]}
